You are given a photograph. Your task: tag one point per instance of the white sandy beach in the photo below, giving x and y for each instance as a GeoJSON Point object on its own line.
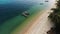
{"type": "Point", "coordinates": [40, 26]}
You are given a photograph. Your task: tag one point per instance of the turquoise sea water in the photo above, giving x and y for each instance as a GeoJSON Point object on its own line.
{"type": "Point", "coordinates": [10, 12]}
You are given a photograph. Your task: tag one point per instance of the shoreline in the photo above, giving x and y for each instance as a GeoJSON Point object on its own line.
{"type": "Point", "coordinates": [35, 22]}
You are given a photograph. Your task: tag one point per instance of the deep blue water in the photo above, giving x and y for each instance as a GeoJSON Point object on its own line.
{"type": "Point", "coordinates": [12, 9]}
